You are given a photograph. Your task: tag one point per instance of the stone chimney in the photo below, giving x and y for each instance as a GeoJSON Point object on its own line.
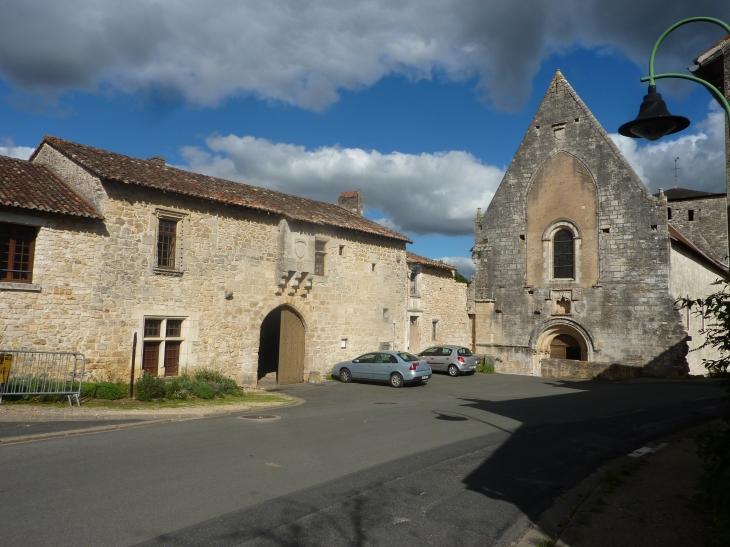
{"type": "Point", "coordinates": [352, 201]}
{"type": "Point", "coordinates": [157, 160]}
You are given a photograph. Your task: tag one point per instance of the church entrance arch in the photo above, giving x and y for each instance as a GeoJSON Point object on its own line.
{"type": "Point", "coordinates": [281, 347]}
{"type": "Point", "coordinates": [562, 341]}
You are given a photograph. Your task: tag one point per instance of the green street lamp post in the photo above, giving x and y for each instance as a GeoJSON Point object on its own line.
{"type": "Point", "coordinates": [654, 120]}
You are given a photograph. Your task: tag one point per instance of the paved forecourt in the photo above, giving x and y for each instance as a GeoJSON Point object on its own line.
{"type": "Point", "coordinates": [463, 461]}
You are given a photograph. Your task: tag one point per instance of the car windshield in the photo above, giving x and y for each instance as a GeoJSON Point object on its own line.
{"type": "Point", "coordinates": [408, 357]}
{"type": "Point", "coordinates": [465, 352]}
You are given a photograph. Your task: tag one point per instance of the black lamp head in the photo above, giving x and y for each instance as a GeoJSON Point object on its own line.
{"type": "Point", "coordinates": [654, 120]}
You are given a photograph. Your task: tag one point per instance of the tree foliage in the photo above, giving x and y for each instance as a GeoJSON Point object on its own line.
{"type": "Point", "coordinates": [713, 443]}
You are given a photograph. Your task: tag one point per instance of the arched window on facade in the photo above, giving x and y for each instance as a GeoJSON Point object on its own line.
{"type": "Point", "coordinates": [563, 255]}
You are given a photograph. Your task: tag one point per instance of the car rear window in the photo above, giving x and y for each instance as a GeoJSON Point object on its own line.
{"type": "Point", "coordinates": [465, 352]}
{"type": "Point", "coordinates": [408, 357]}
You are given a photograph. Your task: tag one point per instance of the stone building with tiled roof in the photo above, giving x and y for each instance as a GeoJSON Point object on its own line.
{"type": "Point", "coordinates": [436, 309]}
{"type": "Point", "coordinates": [262, 285]}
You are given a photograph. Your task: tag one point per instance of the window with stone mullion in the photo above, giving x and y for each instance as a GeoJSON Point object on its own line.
{"type": "Point", "coordinates": [563, 255]}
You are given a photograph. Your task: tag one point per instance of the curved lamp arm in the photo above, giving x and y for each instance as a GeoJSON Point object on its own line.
{"type": "Point", "coordinates": [707, 85]}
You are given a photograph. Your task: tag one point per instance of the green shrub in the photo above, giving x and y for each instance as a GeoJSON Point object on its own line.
{"type": "Point", "coordinates": [485, 367]}
{"type": "Point", "coordinates": [149, 387]}
{"type": "Point", "coordinates": [88, 390]}
{"type": "Point", "coordinates": [109, 391]}
{"type": "Point", "coordinates": [204, 391]}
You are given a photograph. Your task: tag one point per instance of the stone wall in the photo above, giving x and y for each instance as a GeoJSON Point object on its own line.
{"type": "Point", "coordinates": [708, 229]}
{"type": "Point", "coordinates": [98, 282]}
{"type": "Point", "coordinates": [627, 315]}
{"type": "Point", "coordinates": [443, 304]}
{"type": "Point", "coordinates": [692, 279]}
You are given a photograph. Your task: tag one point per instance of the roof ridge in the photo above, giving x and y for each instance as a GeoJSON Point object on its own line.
{"type": "Point", "coordinates": [131, 170]}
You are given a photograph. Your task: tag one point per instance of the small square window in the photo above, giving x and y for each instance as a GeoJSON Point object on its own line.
{"type": "Point", "coordinates": [174, 327]}
{"type": "Point", "coordinates": [691, 215]}
{"type": "Point", "coordinates": [372, 267]}
{"type": "Point", "coordinates": [152, 328]}
{"type": "Point", "coordinates": [342, 250]}
{"type": "Point", "coordinates": [17, 245]}
{"type": "Point", "coordinates": [343, 343]}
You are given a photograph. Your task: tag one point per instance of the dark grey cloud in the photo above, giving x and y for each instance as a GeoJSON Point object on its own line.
{"type": "Point", "coordinates": [303, 53]}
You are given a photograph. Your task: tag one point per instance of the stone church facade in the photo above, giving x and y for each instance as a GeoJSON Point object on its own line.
{"type": "Point", "coordinates": [263, 286]}
{"type": "Point", "coordinates": [574, 273]}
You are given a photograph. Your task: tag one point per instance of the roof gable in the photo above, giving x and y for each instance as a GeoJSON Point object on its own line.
{"type": "Point", "coordinates": [29, 186]}
{"type": "Point", "coordinates": [154, 174]}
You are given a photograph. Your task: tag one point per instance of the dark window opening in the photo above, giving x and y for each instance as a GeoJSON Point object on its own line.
{"type": "Point", "coordinates": [669, 213]}
{"type": "Point", "coordinates": [690, 215]}
{"type": "Point", "coordinates": [319, 254]}
{"type": "Point", "coordinates": [172, 358]}
{"type": "Point", "coordinates": [173, 327]}
{"type": "Point", "coordinates": [166, 239]}
{"type": "Point", "coordinates": [16, 253]}
{"type": "Point", "coordinates": [152, 328]}
{"type": "Point", "coordinates": [563, 255]}
{"type": "Point", "coordinates": [150, 357]}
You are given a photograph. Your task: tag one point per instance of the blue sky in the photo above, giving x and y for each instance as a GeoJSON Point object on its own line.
{"type": "Point", "coordinates": [421, 105]}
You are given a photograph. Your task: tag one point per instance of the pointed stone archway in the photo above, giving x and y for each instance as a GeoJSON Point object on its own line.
{"type": "Point", "coordinates": [281, 348]}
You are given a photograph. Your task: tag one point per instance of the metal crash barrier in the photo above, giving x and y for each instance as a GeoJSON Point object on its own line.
{"type": "Point", "coordinates": [24, 372]}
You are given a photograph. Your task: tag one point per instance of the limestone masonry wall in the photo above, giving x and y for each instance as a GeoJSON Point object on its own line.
{"type": "Point", "coordinates": [443, 302]}
{"type": "Point", "coordinates": [98, 281]}
{"type": "Point", "coordinates": [690, 279]}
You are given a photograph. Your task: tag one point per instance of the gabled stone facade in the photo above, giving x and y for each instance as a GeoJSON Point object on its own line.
{"type": "Point", "coordinates": [613, 310]}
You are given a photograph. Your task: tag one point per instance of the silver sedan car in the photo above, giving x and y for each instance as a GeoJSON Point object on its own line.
{"type": "Point", "coordinates": [454, 360]}
{"type": "Point", "coordinates": [395, 367]}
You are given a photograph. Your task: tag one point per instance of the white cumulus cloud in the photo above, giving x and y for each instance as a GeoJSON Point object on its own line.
{"type": "Point", "coordinates": [701, 156]}
{"type": "Point", "coordinates": [465, 265]}
{"type": "Point", "coordinates": [418, 194]}
{"type": "Point", "coordinates": [20, 152]}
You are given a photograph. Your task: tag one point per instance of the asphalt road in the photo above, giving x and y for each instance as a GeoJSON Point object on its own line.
{"type": "Point", "coordinates": [461, 461]}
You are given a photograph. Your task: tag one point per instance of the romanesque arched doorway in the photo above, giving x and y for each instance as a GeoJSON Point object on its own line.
{"type": "Point", "coordinates": [563, 340]}
{"type": "Point", "coordinates": [281, 347]}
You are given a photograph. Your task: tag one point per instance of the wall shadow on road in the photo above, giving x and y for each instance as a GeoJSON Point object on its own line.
{"type": "Point", "coordinates": [565, 437]}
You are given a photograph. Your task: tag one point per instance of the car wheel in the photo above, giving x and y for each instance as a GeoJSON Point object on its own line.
{"type": "Point", "coordinates": [396, 380]}
{"type": "Point", "coordinates": [453, 370]}
{"type": "Point", "coordinates": [345, 376]}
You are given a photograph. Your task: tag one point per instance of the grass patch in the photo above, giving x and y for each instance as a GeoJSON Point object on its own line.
{"type": "Point", "coordinates": [132, 404]}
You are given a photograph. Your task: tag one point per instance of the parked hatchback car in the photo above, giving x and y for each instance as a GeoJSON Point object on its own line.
{"type": "Point", "coordinates": [395, 367]}
{"type": "Point", "coordinates": [453, 360]}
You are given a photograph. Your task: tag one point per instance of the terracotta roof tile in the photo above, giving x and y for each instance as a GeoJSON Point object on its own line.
{"type": "Point", "coordinates": [29, 186]}
{"type": "Point", "coordinates": [153, 174]}
{"type": "Point", "coordinates": [422, 260]}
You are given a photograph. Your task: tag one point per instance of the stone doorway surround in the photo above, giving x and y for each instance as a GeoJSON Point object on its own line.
{"type": "Point", "coordinates": [281, 348]}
